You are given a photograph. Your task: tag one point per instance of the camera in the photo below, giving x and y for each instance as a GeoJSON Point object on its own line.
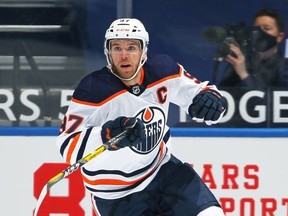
{"type": "Point", "coordinates": [247, 38]}
{"type": "Point", "coordinates": [250, 39]}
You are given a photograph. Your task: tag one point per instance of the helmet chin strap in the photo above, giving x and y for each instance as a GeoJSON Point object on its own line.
{"type": "Point", "coordinates": [141, 63]}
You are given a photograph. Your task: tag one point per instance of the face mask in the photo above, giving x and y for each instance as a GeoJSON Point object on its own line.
{"type": "Point", "coordinates": [261, 41]}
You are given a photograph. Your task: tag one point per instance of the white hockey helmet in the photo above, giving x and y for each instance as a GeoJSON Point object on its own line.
{"type": "Point", "coordinates": [127, 28]}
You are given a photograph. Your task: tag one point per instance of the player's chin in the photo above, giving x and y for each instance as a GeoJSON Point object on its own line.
{"type": "Point", "coordinates": [126, 73]}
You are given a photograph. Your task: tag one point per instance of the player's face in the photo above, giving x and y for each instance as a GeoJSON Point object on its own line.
{"type": "Point", "coordinates": [125, 56]}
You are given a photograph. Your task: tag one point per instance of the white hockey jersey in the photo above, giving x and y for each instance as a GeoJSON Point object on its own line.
{"type": "Point", "coordinates": [100, 97]}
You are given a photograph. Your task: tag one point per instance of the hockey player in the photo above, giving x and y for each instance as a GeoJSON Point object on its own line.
{"type": "Point", "coordinates": [138, 175]}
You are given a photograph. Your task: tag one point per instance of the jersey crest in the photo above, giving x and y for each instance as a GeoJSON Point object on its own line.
{"type": "Point", "coordinates": [154, 120]}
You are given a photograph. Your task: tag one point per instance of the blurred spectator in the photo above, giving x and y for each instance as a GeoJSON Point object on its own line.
{"type": "Point", "coordinates": [265, 66]}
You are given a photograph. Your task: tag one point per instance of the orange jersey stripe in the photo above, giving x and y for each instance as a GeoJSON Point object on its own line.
{"type": "Point", "coordinates": [72, 147]}
{"type": "Point", "coordinates": [102, 102]}
{"type": "Point", "coordinates": [142, 76]}
{"type": "Point", "coordinates": [123, 91]}
{"type": "Point", "coordinates": [164, 79]}
{"type": "Point", "coordinates": [121, 182]}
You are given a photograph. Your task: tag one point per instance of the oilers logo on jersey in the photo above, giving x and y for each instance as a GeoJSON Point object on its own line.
{"type": "Point", "coordinates": [154, 120]}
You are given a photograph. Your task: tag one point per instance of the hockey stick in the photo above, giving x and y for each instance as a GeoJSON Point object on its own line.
{"type": "Point", "coordinates": [72, 168]}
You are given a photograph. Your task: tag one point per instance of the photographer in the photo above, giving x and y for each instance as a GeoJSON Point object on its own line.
{"type": "Point", "coordinates": [263, 67]}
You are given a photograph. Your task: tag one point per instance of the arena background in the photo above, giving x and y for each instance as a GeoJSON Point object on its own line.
{"type": "Point", "coordinates": [51, 44]}
{"type": "Point", "coordinates": [46, 46]}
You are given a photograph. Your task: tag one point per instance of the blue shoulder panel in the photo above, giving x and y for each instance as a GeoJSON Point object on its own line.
{"type": "Point", "coordinates": [107, 85]}
{"type": "Point", "coordinates": [160, 66]}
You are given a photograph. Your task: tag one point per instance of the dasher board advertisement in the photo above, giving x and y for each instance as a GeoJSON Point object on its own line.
{"type": "Point", "coordinates": [248, 175]}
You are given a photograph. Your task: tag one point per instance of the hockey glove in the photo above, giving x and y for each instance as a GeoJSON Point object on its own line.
{"type": "Point", "coordinates": [208, 105]}
{"type": "Point", "coordinates": [135, 135]}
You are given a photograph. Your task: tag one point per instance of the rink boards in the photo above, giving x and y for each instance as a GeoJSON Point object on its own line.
{"type": "Point", "coordinates": [246, 169]}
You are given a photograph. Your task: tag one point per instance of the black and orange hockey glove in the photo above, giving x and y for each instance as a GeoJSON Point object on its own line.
{"type": "Point", "coordinates": [134, 127]}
